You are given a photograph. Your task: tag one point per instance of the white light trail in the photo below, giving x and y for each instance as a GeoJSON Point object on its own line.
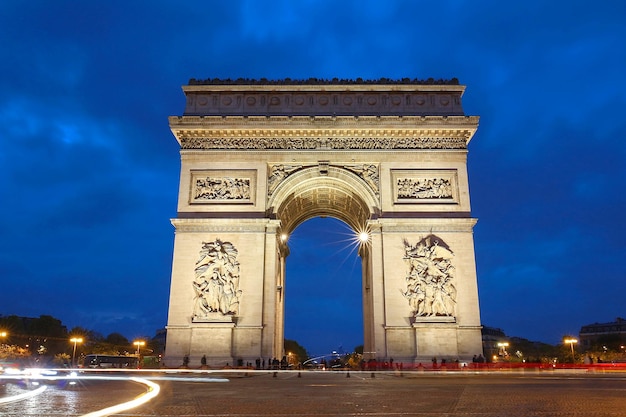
{"type": "Point", "coordinates": [20, 397]}
{"type": "Point", "coordinates": [153, 391]}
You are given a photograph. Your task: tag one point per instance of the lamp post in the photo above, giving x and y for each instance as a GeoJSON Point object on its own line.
{"type": "Point", "coordinates": [75, 340]}
{"type": "Point", "coordinates": [501, 350]}
{"type": "Point", "coordinates": [571, 342]}
{"type": "Point", "coordinates": [139, 344]}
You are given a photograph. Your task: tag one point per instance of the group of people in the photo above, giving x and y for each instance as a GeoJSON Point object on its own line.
{"type": "Point", "coordinates": [478, 359]}
{"type": "Point", "coordinates": [272, 363]}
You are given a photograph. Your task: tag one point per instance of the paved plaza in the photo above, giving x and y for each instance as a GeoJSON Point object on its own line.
{"type": "Point", "coordinates": [527, 394]}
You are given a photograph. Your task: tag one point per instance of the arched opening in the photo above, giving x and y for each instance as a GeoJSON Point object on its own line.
{"type": "Point", "coordinates": [313, 194]}
{"type": "Point", "coordinates": [323, 288]}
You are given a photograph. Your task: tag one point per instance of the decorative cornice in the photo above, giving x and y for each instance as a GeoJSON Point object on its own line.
{"type": "Point", "coordinates": [390, 122]}
{"type": "Point", "coordinates": [321, 81]}
{"type": "Point", "coordinates": [314, 133]}
{"type": "Point", "coordinates": [426, 225]}
{"type": "Point", "coordinates": [218, 226]}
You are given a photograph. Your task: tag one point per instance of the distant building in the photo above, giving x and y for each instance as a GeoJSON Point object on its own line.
{"type": "Point", "coordinates": [491, 337]}
{"type": "Point", "coordinates": [159, 340]}
{"type": "Point", "coordinates": [603, 333]}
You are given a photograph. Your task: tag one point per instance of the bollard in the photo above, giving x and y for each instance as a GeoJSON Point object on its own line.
{"type": "Point", "coordinates": [348, 374]}
{"type": "Point", "coordinates": [275, 374]}
{"type": "Point", "coordinates": [373, 376]}
{"type": "Point", "coordinates": [299, 375]}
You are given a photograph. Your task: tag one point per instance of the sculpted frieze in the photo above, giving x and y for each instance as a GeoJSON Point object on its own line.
{"type": "Point", "coordinates": [367, 172]}
{"type": "Point", "coordinates": [223, 188]}
{"type": "Point", "coordinates": [430, 289]}
{"type": "Point", "coordinates": [216, 283]}
{"type": "Point", "coordinates": [277, 173]}
{"type": "Point", "coordinates": [322, 143]}
{"type": "Point", "coordinates": [424, 188]}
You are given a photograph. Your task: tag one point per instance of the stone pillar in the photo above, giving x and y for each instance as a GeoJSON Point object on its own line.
{"type": "Point", "coordinates": [377, 290]}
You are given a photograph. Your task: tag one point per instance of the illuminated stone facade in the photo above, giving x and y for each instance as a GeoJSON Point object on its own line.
{"type": "Point", "coordinates": [259, 158]}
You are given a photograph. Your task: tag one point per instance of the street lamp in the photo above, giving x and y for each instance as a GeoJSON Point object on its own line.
{"type": "Point", "coordinates": [75, 340]}
{"type": "Point", "coordinates": [139, 344]}
{"type": "Point", "coordinates": [502, 350]}
{"type": "Point", "coordinates": [571, 342]}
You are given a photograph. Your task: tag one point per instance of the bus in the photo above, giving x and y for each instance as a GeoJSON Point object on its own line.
{"type": "Point", "coordinates": [110, 361]}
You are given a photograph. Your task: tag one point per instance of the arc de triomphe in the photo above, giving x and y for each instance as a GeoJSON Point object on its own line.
{"type": "Point", "coordinates": [258, 158]}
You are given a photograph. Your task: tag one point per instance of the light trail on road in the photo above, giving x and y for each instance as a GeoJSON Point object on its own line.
{"type": "Point", "coordinates": [23, 396]}
{"type": "Point", "coordinates": [153, 391]}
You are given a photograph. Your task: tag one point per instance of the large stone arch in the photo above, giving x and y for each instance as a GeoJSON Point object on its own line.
{"type": "Point", "coordinates": [259, 158]}
{"type": "Point", "coordinates": [325, 191]}
{"type": "Point", "coordinates": [337, 192]}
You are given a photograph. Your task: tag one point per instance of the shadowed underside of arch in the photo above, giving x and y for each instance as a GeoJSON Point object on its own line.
{"type": "Point", "coordinates": [338, 193]}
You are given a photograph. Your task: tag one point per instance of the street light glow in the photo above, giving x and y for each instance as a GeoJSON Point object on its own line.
{"type": "Point", "coordinates": [75, 340]}
{"type": "Point", "coordinates": [139, 344]}
{"type": "Point", "coordinates": [571, 342]}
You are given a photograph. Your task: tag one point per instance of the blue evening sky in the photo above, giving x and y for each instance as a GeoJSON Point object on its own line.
{"type": "Point", "coordinates": [89, 169]}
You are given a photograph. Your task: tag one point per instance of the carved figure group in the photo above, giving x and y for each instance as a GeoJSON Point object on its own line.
{"type": "Point", "coordinates": [216, 283]}
{"type": "Point", "coordinates": [369, 173]}
{"type": "Point", "coordinates": [279, 173]}
{"type": "Point", "coordinates": [320, 143]}
{"type": "Point", "coordinates": [225, 188]}
{"type": "Point", "coordinates": [430, 289]}
{"type": "Point", "coordinates": [424, 188]}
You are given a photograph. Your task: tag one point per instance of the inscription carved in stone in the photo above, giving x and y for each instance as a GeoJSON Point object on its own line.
{"type": "Point", "coordinates": [223, 188]}
{"type": "Point", "coordinates": [430, 288]}
{"type": "Point", "coordinates": [216, 283]}
{"type": "Point", "coordinates": [424, 188]}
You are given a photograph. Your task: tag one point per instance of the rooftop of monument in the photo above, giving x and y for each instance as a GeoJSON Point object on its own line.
{"type": "Point", "coordinates": [322, 81]}
{"type": "Point", "coordinates": [318, 97]}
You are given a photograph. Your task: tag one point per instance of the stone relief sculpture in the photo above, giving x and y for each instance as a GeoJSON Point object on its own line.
{"type": "Point", "coordinates": [216, 283]}
{"type": "Point", "coordinates": [225, 188]}
{"type": "Point", "coordinates": [430, 288]}
{"type": "Point", "coordinates": [278, 173]}
{"type": "Point", "coordinates": [424, 188]}
{"type": "Point", "coordinates": [369, 173]}
{"type": "Point", "coordinates": [322, 143]}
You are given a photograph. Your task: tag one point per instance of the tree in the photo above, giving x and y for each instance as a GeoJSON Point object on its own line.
{"type": "Point", "coordinates": [299, 353]}
{"type": "Point", "coordinates": [117, 339]}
